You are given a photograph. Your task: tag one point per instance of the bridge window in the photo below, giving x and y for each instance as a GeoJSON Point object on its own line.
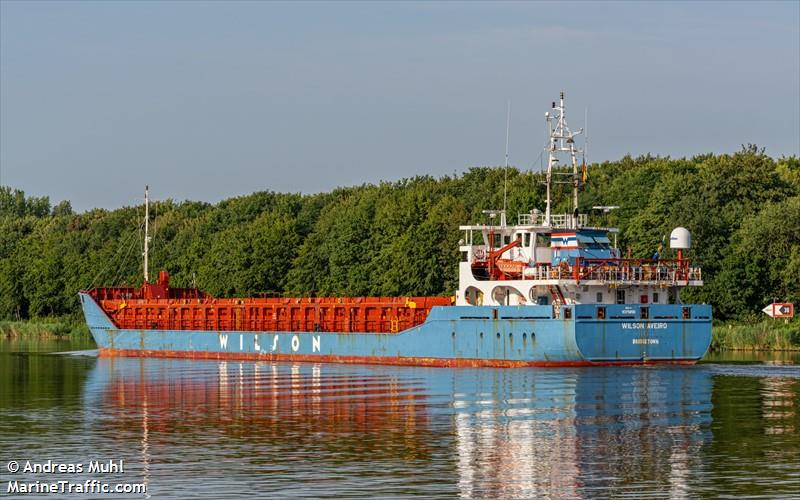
{"type": "Point", "coordinates": [599, 297]}
{"type": "Point", "coordinates": [620, 296]}
{"type": "Point", "coordinates": [655, 297]}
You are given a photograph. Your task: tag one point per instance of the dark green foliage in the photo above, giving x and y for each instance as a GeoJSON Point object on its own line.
{"type": "Point", "coordinates": [762, 262]}
{"type": "Point", "coordinates": [401, 238]}
{"type": "Point", "coordinates": [13, 202]}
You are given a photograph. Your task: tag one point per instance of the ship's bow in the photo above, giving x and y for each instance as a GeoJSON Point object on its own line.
{"type": "Point", "coordinates": [97, 320]}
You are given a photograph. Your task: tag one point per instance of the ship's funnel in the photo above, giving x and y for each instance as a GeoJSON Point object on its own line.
{"type": "Point", "coordinates": [680, 238]}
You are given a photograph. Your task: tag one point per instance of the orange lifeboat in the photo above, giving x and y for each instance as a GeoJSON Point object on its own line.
{"type": "Point", "coordinates": [511, 268]}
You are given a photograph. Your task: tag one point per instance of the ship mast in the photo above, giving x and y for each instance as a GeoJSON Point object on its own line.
{"type": "Point", "coordinates": [146, 233]}
{"type": "Point", "coordinates": [562, 140]}
{"type": "Point", "coordinates": [505, 172]}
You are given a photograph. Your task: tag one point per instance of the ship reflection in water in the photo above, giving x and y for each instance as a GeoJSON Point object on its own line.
{"type": "Point", "coordinates": [238, 429]}
{"type": "Point", "coordinates": [578, 433]}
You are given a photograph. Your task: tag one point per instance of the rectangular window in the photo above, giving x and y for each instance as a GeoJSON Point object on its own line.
{"type": "Point", "coordinates": [644, 312]}
{"type": "Point", "coordinates": [599, 297]}
{"type": "Point", "coordinates": [687, 312]}
{"type": "Point", "coordinates": [620, 296]}
{"type": "Point", "coordinates": [464, 257]}
{"type": "Point", "coordinates": [601, 313]}
{"type": "Point", "coordinates": [567, 313]}
{"type": "Point", "coordinates": [655, 297]}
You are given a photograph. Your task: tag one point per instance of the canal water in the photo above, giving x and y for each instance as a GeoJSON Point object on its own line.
{"type": "Point", "coordinates": [727, 427]}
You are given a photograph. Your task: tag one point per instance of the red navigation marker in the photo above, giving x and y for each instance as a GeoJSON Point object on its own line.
{"type": "Point", "coordinates": [779, 310]}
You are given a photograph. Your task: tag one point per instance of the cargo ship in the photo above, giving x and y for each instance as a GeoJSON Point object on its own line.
{"type": "Point", "coordinates": [548, 290]}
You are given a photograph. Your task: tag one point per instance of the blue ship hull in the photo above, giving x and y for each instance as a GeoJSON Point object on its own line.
{"type": "Point", "coordinates": [571, 335]}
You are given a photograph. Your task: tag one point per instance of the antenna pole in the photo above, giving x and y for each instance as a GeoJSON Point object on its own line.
{"type": "Point", "coordinates": [505, 172]}
{"type": "Point", "coordinates": [551, 147]}
{"type": "Point", "coordinates": [146, 232]}
{"type": "Point", "coordinates": [575, 176]}
{"type": "Point", "coordinates": [585, 134]}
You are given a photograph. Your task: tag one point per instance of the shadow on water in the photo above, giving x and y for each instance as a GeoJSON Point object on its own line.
{"type": "Point", "coordinates": [231, 429]}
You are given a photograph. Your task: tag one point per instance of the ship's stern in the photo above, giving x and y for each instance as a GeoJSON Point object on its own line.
{"type": "Point", "coordinates": [654, 333]}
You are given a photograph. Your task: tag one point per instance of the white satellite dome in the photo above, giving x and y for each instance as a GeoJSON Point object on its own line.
{"type": "Point", "coordinates": [680, 238]}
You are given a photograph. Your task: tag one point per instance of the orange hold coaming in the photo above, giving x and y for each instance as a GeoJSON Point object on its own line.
{"type": "Point", "coordinates": [159, 307]}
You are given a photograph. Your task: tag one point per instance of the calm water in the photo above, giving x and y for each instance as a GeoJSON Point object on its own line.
{"type": "Point", "coordinates": [729, 427]}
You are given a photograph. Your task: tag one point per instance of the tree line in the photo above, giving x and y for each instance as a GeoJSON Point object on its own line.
{"type": "Point", "coordinates": [401, 238]}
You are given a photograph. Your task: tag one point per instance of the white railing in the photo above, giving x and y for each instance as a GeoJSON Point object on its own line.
{"type": "Point", "coordinates": [613, 274]}
{"type": "Point", "coordinates": [566, 221]}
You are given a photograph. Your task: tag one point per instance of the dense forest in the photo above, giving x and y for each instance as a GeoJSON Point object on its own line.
{"type": "Point", "coordinates": [401, 237]}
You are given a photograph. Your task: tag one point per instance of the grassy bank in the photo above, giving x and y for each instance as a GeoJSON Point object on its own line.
{"type": "Point", "coordinates": [768, 335]}
{"type": "Point", "coordinates": [45, 328]}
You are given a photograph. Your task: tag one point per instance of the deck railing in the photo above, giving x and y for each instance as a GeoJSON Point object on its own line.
{"type": "Point", "coordinates": [566, 221]}
{"type": "Point", "coordinates": [618, 271]}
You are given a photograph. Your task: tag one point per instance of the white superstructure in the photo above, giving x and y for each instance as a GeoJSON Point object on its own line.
{"type": "Point", "coordinates": [558, 259]}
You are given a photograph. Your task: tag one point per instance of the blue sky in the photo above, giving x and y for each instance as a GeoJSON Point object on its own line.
{"type": "Point", "coordinates": [216, 99]}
